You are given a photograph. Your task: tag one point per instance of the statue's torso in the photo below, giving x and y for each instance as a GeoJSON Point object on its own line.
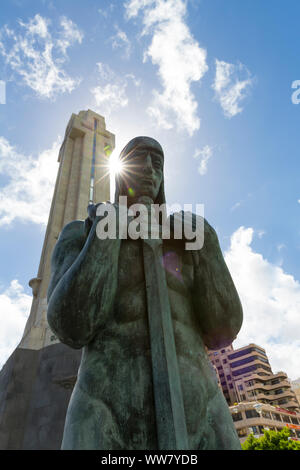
{"type": "Point", "coordinates": [116, 366]}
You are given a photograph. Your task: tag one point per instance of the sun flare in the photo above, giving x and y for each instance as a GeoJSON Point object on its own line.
{"type": "Point", "coordinates": [115, 166]}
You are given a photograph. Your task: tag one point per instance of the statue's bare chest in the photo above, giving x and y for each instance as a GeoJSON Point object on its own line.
{"type": "Point", "coordinates": [131, 265]}
{"type": "Point", "coordinates": [131, 302]}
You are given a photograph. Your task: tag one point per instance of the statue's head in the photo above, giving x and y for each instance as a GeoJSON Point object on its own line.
{"type": "Point", "coordinates": [141, 174]}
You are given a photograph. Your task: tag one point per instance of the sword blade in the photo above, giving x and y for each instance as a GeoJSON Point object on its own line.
{"type": "Point", "coordinates": [169, 408]}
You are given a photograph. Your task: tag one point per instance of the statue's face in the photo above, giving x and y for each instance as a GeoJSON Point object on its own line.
{"type": "Point", "coordinates": [145, 168]}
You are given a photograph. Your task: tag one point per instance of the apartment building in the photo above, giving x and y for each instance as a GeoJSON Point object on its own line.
{"type": "Point", "coordinates": [246, 375]}
{"type": "Point", "coordinates": [220, 361]}
{"type": "Point", "coordinates": [254, 417]}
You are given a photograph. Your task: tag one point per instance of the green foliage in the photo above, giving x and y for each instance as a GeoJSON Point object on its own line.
{"type": "Point", "coordinates": [271, 440]}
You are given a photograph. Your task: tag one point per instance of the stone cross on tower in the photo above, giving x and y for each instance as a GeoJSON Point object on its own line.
{"type": "Point", "coordinates": [82, 178]}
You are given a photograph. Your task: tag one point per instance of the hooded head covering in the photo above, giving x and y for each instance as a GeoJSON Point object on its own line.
{"type": "Point", "coordinates": [125, 156]}
{"type": "Point", "coordinates": [121, 188]}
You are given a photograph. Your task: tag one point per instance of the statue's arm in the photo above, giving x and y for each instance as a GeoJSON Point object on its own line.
{"type": "Point", "coordinates": [74, 294]}
{"type": "Point", "coordinates": [216, 301]}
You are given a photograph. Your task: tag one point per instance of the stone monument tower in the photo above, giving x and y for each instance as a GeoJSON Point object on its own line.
{"type": "Point", "coordinates": [37, 380]}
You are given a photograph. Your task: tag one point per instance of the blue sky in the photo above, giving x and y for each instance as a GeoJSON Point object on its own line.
{"type": "Point", "coordinates": [211, 80]}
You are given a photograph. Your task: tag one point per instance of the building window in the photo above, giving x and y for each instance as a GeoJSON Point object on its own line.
{"type": "Point", "coordinates": [262, 359]}
{"type": "Point", "coordinates": [242, 362]}
{"type": "Point", "coordinates": [276, 416]}
{"type": "Point", "coordinates": [255, 430]}
{"type": "Point", "coordinates": [285, 419]}
{"type": "Point", "coordinates": [259, 350]}
{"type": "Point", "coordinates": [248, 359]}
{"type": "Point", "coordinates": [244, 370]}
{"type": "Point", "coordinates": [240, 387]}
{"type": "Point", "coordinates": [239, 353]}
{"type": "Point", "coordinates": [294, 420]}
{"type": "Point", "coordinates": [282, 402]}
{"type": "Point", "coordinates": [230, 385]}
{"type": "Point", "coordinates": [228, 377]}
{"type": "Point", "coordinates": [237, 416]}
{"type": "Point", "coordinates": [275, 381]}
{"type": "Point", "coordinates": [266, 414]}
{"type": "Point", "coordinates": [225, 361]}
{"type": "Point", "coordinates": [251, 414]}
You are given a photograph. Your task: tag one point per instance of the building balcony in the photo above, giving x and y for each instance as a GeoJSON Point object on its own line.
{"type": "Point", "coordinates": [291, 405]}
{"type": "Point", "coordinates": [274, 397]}
{"type": "Point", "coordinates": [283, 383]}
{"type": "Point", "coordinates": [259, 359]}
{"type": "Point", "coordinates": [263, 380]}
{"type": "Point", "coordinates": [267, 416]}
{"type": "Point", "coordinates": [259, 421]}
{"type": "Point", "coordinates": [239, 372]}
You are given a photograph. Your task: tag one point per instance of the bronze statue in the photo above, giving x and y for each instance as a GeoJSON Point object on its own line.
{"type": "Point", "coordinates": [143, 311]}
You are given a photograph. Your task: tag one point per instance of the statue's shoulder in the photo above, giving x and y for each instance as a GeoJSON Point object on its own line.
{"type": "Point", "coordinates": [209, 230]}
{"type": "Point", "coordinates": [67, 248]}
{"type": "Point", "coordinates": [193, 221]}
{"type": "Point", "coordinates": [99, 207]}
{"type": "Point", "coordinates": [72, 231]}
{"type": "Point", "coordinates": [70, 242]}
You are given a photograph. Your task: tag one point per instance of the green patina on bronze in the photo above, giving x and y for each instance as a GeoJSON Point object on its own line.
{"type": "Point", "coordinates": [143, 312]}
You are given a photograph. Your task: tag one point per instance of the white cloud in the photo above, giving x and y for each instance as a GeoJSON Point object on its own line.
{"type": "Point", "coordinates": [240, 204]}
{"type": "Point", "coordinates": [179, 58]}
{"type": "Point", "coordinates": [120, 40]}
{"type": "Point", "coordinates": [236, 206]}
{"type": "Point", "coordinates": [14, 311]}
{"type": "Point", "coordinates": [110, 96]}
{"type": "Point", "coordinates": [111, 92]}
{"type": "Point", "coordinates": [105, 12]}
{"type": "Point", "coordinates": [230, 88]}
{"type": "Point", "coordinates": [281, 246]}
{"type": "Point", "coordinates": [69, 35]}
{"type": "Point", "coordinates": [261, 233]}
{"type": "Point", "coordinates": [37, 55]}
{"type": "Point", "coordinates": [271, 304]}
{"type": "Point", "coordinates": [27, 194]}
{"type": "Point", "coordinates": [205, 154]}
